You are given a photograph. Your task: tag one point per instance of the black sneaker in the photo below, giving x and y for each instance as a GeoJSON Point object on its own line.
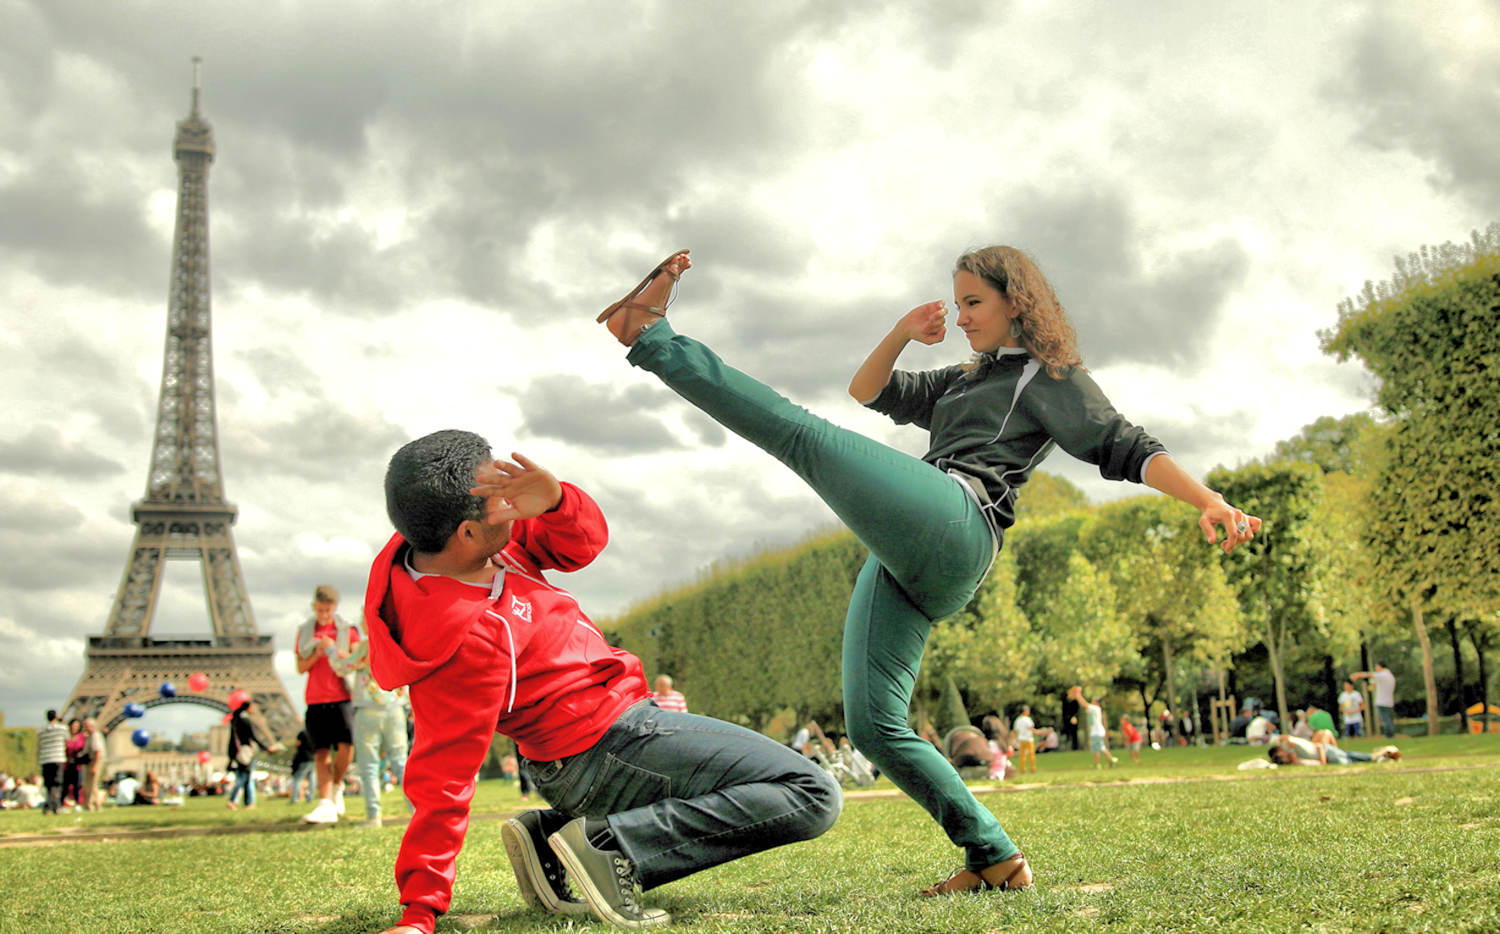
{"type": "Point", "coordinates": [606, 877]}
{"type": "Point", "coordinates": [539, 875]}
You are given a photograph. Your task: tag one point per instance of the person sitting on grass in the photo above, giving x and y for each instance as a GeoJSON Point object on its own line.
{"type": "Point", "coordinates": [458, 609]}
{"type": "Point", "coordinates": [1320, 719]}
{"type": "Point", "coordinates": [149, 791]}
{"type": "Point", "coordinates": [1294, 750]}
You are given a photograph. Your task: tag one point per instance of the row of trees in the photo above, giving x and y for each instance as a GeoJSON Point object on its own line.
{"type": "Point", "coordinates": [1373, 527]}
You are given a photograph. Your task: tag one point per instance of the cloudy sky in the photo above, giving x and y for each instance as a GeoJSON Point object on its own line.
{"type": "Point", "coordinates": [418, 208]}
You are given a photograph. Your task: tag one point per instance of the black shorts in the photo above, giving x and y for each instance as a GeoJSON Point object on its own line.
{"type": "Point", "coordinates": [330, 725]}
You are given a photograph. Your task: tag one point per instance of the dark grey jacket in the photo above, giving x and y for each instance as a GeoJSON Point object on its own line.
{"type": "Point", "coordinates": [996, 423]}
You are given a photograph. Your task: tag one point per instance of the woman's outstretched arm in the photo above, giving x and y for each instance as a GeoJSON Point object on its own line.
{"type": "Point", "coordinates": [1166, 475]}
{"type": "Point", "coordinates": [923, 323]}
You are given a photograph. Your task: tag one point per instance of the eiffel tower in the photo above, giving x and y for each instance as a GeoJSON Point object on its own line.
{"type": "Point", "coordinates": [184, 515]}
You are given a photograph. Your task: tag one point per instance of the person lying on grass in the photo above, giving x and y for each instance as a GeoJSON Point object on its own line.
{"type": "Point", "coordinates": [458, 609]}
{"type": "Point", "coordinates": [1321, 750]}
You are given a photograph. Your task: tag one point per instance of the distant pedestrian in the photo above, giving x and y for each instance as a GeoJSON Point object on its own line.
{"type": "Point", "coordinates": [244, 736]}
{"type": "Point", "coordinates": [1025, 729]}
{"type": "Point", "coordinates": [302, 768]}
{"type": "Point", "coordinates": [93, 763]}
{"type": "Point", "coordinates": [668, 699]}
{"type": "Point", "coordinates": [1352, 706]}
{"type": "Point", "coordinates": [1098, 735]}
{"type": "Point", "coordinates": [1132, 737]}
{"type": "Point", "coordinates": [379, 732]}
{"type": "Point", "coordinates": [52, 756]}
{"type": "Point", "coordinates": [324, 644]}
{"type": "Point", "coordinates": [72, 786]}
{"type": "Point", "coordinates": [1385, 696]}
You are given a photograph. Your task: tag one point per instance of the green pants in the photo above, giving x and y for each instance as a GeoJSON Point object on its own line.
{"type": "Point", "coordinates": [930, 549]}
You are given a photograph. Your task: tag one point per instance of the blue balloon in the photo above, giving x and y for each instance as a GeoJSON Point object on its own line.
{"type": "Point", "coordinates": [134, 710]}
{"type": "Point", "coordinates": [168, 689]}
{"type": "Point", "coordinates": [141, 738]}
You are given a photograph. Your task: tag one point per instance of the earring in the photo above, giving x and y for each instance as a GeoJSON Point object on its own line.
{"type": "Point", "coordinates": [1015, 327]}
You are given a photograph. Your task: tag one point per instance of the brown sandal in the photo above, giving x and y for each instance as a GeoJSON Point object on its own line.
{"type": "Point", "coordinates": [628, 302]}
{"type": "Point", "coordinates": [966, 880]}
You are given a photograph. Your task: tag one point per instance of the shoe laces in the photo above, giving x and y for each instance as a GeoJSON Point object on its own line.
{"type": "Point", "coordinates": [629, 887]}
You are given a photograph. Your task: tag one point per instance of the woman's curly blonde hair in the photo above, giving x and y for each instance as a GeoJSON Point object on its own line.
{"type": "Point", "coordinates": [1046, 331]}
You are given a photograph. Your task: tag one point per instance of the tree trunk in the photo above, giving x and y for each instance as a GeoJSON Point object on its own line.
{"type": "Point", "coordinates": [1427, 676]}
{"type": "Point", "coordinates": [1166, 662]}
{"type": "Point", "coordinates": [1331, 698]}
{"type": "Point", "coordinates": [1274, 650]}
{"type": "Point", "coordinates": [1484, 674]}
{"type": "Point", "coordinates": [1458, 674]}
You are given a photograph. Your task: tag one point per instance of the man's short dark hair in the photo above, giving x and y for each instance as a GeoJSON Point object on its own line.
{"type": "Point", "coordinates": [427, 486]}
{"type": "Point", "coordinates": [51, 715]}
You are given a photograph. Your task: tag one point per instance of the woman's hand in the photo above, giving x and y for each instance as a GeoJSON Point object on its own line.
{"type": "Point", "coordinates": [1239, 527]}
{"type": "Point", "coordinates": [924, 324]}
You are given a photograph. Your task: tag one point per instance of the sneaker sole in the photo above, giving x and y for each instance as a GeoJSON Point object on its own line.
{"type": "Point", "coordinates": [598, 904]}
{"type": "Point", "coordinates": [527, 865]}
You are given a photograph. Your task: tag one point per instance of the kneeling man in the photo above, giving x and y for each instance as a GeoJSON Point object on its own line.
{"type": "Point", "coordinates": [458, 609]}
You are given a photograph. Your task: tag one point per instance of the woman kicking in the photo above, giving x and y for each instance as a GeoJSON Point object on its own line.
{"type": "Point", "coordinates": [933, 525]}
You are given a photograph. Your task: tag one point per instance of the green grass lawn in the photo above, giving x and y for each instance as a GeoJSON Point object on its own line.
{"type": "Point", "coordinates": [1178, 842]}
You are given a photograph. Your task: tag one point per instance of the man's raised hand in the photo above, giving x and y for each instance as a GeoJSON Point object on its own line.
{"type": "Point", "coordinates": [515, 489]}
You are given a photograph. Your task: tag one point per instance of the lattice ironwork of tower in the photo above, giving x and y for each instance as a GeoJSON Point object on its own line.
{"type": "Point", "coordinates": [184, 515]}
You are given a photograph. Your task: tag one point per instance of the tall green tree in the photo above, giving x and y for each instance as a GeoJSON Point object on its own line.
{"type": "Point", "coordinates": [1277, 574]}
{"type": "Point", "coordinates": [988, 647]}
{"type": "Point", "coordinates": [1049, 495]}
{"type": "Point", "coordinates": [1084, 638]}
{"type": "Point", "coordinates": [1431, 335]}
{"type": "Point", "coordinates": [1331, 444]}
{"type": "Point", "coordinates": [1169, 586]}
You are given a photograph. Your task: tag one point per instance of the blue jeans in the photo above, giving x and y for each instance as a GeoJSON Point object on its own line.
{"type": "Point", "coordinates": [930, 549]}
{"type": "Point", "coordinates": [374, 728]}
{"type": "Point", "coordinates": [1387, 720]}
{"type": "Point", "coordinates": [683, 792]}
{"type": "Point", "coordinates": [1344, 756]}
{"type": "Point", "coordinates": [1354, 728]}
{"type": "Point", "coordinates": [304, 773]}
{"type": "Point", "coordinates": [243, 782]}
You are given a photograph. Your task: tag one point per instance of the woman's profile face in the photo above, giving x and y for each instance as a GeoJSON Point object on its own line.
{"type": "Point", "coordinates": [984, 314]}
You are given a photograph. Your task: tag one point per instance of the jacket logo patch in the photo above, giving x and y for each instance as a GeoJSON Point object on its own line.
{"type": "Point", "coordinates": [519, 608]}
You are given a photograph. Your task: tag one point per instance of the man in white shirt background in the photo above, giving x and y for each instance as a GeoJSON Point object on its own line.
{"type": "Point", "coordinates": [1385, 696]}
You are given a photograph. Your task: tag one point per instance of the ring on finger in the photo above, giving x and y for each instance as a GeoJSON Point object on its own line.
{"type": "Point", "coordinates": [1242, 526]}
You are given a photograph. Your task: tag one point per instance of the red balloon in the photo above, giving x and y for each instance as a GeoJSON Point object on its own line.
{"type": "Point", "coordinates": [203, 756]}
{"type": "Point", "coordinates": [237, 697]}
{"type": "Point", "coordinates": [198, 681]}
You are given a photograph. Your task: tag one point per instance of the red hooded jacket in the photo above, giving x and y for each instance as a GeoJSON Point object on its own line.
{"type": "Point", "coordinates": [518, 657]}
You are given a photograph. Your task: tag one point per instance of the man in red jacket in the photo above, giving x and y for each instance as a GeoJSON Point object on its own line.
{"type": "Point", "coordinates": [457, 609]}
